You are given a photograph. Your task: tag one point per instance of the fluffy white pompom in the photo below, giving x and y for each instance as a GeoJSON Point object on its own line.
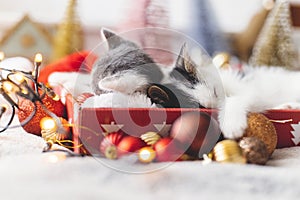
{"type": "Point", "coordinates": [118, 100]}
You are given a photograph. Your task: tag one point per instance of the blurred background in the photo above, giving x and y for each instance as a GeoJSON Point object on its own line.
{"type": "Point", "coordinates": [32, 25]}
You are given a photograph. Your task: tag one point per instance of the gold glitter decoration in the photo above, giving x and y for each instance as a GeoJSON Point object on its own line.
{"type": "Point", "coordinates": [261, 127]}
{"type": "Point", "coordinates": [69, 36]}
{"type": "Point", "coordinates": [275, 46]}
{"type": "Point", "coordinates": [228, 151]}
{"type": "Point", "coordinates": [150, 138]}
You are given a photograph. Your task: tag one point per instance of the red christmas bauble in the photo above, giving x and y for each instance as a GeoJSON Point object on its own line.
{"type": "Point", "coordinates": [108, 146]}
{"type": "Point", "coordinates": [168, 149]}
{"type": "Point", "coordinates": [26, 107]}
{"type": "Point", "coordinates": [197, 131]}
{"type": "Point", "coordinates": [130, 144]}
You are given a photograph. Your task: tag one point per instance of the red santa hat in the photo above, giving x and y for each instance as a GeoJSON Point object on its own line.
{"type": "Point", "coordinates": [77, 62]}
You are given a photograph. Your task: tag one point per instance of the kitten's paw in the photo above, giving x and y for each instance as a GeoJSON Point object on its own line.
{"type": "Point", "coordinates": [233, 126]}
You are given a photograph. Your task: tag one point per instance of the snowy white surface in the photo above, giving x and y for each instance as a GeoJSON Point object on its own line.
{"type": "Point", "coordinates": [26, 174]}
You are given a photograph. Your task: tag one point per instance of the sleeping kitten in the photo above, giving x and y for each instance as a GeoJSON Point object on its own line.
{"type": "Point", "coordinates": [127, 69]}
{"type": "Point", "coordinates": [255, 89]}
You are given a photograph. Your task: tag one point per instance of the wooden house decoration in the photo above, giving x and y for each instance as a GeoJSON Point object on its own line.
{"type": "Point", "coordinates": [25, 39]}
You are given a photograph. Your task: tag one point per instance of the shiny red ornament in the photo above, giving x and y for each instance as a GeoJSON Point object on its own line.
{"type": "Point", "coordinates": [130, 144]}
{"type": "Point", "coordinates": [197, 131]}
{"type": "Point", "coordinates": [168, 149]}
{"type": "Point", "coordinates": [108, 146]}
{"type": "Point", "coordinates": [27, 107]}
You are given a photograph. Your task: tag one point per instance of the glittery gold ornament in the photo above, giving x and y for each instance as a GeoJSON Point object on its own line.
{"type": "Point", "coordinates": [261, 127]}
{"type": "Point", "coordinates": [228, 151]}
{"type": "Point", "coordinates": [254, 150]}
{"type": "Point", "coordinates": [69, 36]}
{"type": "Point", "coordinates": [275, 46]}
{"type": "Point", "coordinates": [150, 138]}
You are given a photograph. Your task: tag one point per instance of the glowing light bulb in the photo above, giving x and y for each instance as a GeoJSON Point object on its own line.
{"type": "Point", "coordinates": [56, 98]}
{"type": "Point", "coordinates": [8, 87]}
{"type": "Point", "coordinates": [18, 78]}
{"type": "Point", "coordinates": [146, 155]}
{"type": "Point", "coordinates": [1, 55]}
{"type": "Point", "coordinates": [48, 123]}
{"type": "Point", "coordinates": [56, 157]}
{"type": "Point", "coordinates": [38, 58]}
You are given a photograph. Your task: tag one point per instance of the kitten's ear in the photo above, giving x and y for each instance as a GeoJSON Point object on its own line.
{"type": "Point", "coordinates": [184, 61]}
{"type": "Point", "coordinates": [112, 39]}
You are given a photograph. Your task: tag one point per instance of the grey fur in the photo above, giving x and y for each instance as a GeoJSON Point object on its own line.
{"type": "Point", "coordinates": [124, 56]}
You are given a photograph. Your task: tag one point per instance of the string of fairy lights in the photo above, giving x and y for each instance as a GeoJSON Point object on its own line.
{"type": "Point", "coordinates": [20, 84]}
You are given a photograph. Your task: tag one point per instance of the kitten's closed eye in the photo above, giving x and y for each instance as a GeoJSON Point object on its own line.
{"type": "Point", "coordinates": [124, 68]}
{"type": "Point", "coordinates": [127, 82]}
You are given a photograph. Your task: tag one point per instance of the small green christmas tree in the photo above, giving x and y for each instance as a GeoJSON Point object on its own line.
{"type": "Point", "coordinates": [69, 37]}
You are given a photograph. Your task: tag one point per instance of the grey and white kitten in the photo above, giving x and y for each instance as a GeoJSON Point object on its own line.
{"type": "Point", "coordinates": [126, 68]}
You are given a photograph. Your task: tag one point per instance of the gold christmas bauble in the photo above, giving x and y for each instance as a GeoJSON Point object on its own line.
{"type": "Point", "coordinates": [228, 151]}
{"type": "Point", "coordinates": [261, 127]}
{"type": "Point", "coordinates": [150, 138]}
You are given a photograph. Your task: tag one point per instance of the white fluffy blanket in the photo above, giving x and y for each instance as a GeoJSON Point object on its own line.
{"type": "Point", "coordinates": [26, 174]}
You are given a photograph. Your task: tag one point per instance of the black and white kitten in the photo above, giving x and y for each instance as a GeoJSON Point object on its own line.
{"type": "Point", "coordinates": [236, 93]}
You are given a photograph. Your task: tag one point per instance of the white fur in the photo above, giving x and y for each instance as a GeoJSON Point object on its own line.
{"type": "Point", "coordinates": [118, 100]}
{"type": "Point", "coordinates": [260, 89]}
{"type": "Point", "coordinates": [128, 82]}
{"type": "Point", "coordinates": [74, 83]}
